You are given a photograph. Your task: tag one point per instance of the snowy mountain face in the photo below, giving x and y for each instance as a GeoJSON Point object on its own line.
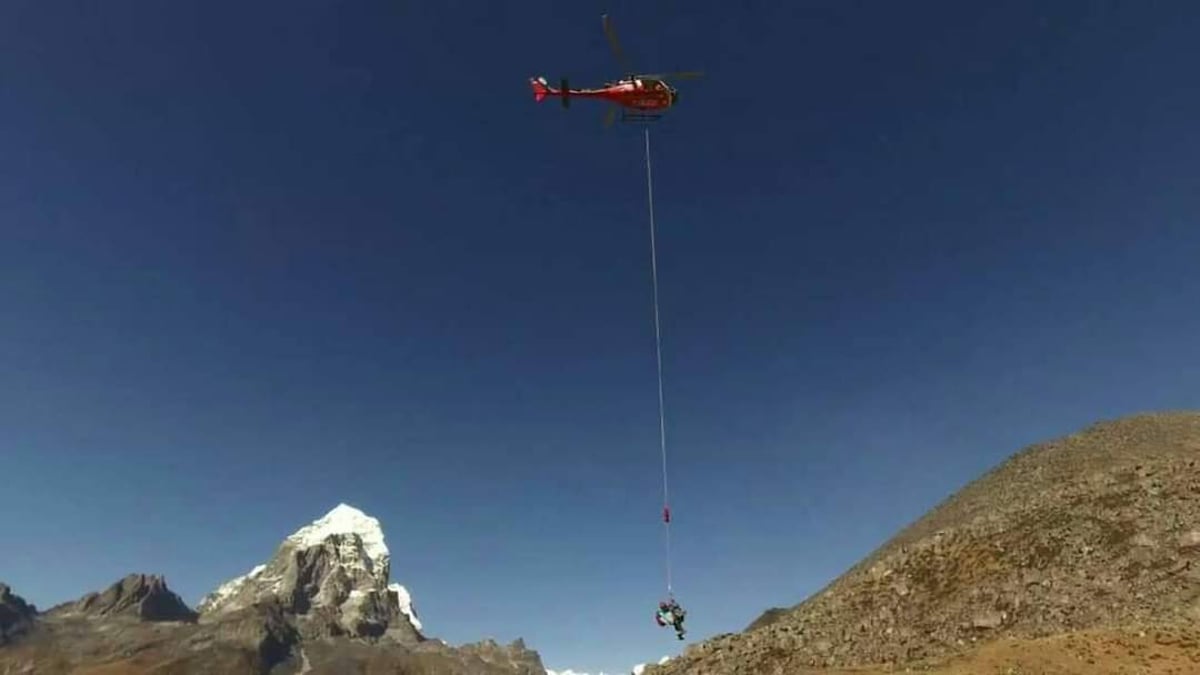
{"type": "Point", "coordinates": [405, 602]}
{"type": "Point", "coordinates": [334, 572]}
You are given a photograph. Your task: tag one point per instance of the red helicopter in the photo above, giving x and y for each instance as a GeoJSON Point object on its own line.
{"type": "Point", "coordinates": [640, 98]}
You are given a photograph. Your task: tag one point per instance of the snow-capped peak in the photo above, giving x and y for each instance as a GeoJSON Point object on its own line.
{"type": "Point", "coordinates": [339, 562]}
{"type": "Point", "coordinates": [344, 519]}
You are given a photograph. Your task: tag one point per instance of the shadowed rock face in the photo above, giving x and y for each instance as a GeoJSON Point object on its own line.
{"type": "Point", "coordinates": [1097, 530]}
{"type": "Point", "coordinates": [141, 596]}
{"type": "Point", "coordinates": [16, 615]}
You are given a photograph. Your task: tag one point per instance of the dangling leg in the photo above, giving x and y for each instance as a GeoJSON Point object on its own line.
{"type": "Point", "coordinates": [678, 614]}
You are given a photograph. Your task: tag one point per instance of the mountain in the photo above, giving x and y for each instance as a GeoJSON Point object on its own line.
{"type": "Point", "coordinates": [333, 575]}
{"type": "Point", "coordinates": [139, 595]}
{"type": "Point", "coordinates": [323, 603]}
{"type": "Point", "coordinates": [1089, 539]}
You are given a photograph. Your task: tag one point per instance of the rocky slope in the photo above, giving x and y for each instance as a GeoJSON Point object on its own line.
{"type": "Point", "coordinates": [1092, 652]}
{"type": "Point", "coordinates": [323, 603]}
{"type": "Point", "coordinates": [1099, 530]}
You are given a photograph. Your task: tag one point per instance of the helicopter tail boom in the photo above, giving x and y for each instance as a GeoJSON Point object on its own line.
{"type": "Point", "coordinates": [542, 89]}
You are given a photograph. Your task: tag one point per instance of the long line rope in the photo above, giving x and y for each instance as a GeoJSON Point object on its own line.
{"type": "Point", "coordinates": [662, 426]}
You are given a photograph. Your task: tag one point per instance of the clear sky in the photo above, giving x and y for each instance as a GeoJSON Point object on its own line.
{"type": "Point", "coordinates": [260, 258]}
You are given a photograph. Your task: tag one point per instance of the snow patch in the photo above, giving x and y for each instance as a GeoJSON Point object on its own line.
{"type": "Point", "coordinates": [637, 670]}
{"type": "Point", "coordinates": [227, 589]}
{"type": "Point", "coordinates": [641, 667]}
{"type": "Point", "coordinates": [405, 604]}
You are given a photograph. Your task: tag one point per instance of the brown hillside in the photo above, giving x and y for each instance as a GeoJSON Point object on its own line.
{"type": "Point", "coordinates": [1094, 652]}
{"type": "Point", "coordinates": [1099, 530]}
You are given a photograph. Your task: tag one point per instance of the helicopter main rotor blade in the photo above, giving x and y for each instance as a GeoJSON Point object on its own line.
{"type": "Point", "coordinates": [611, 34]}
{"type": "Point", "coordinates": [688, 75]}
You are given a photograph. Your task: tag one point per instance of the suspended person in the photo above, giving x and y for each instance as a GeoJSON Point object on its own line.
{"type": "Point", "coordinates": [671, 614]}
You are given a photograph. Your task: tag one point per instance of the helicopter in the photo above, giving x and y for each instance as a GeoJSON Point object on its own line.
{"type": "Point", "coordinates": [638, 97]}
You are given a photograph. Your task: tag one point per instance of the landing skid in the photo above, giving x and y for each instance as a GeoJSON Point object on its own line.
{"type": "Point", "coordinates": [630, 117]}
{"type": "Point", "coordinates": [640, 118]}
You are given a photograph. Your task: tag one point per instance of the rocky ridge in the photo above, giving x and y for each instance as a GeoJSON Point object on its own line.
{"type": "Point", "coordinates": [1097, 530]}
{"type": "Point", "coordinates": [142, 596]}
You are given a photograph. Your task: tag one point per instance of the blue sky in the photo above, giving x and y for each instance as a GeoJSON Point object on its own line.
{"type": "Point", "coordinates": [256, 261]}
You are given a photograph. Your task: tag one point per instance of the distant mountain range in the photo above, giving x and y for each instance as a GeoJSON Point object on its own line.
{"type": "Point", "coordinates": [323, 603]}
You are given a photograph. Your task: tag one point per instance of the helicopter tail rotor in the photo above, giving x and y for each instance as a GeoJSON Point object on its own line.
{"type": "Point", "coordinates": [540, 90]}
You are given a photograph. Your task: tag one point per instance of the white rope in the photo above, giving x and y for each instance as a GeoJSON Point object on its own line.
{"type": "Point", "coordinates": [662, 426]}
